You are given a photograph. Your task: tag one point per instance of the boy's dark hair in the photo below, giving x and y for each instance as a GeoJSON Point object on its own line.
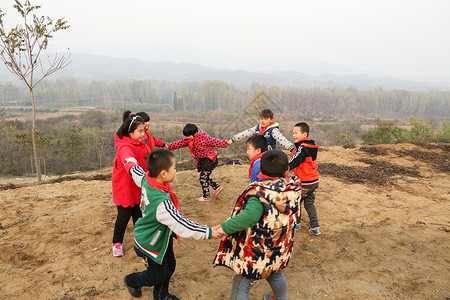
{"type": "Point", "coordinates": [258, 142]}
{"type": "Point", "coordinates": [159, 160]}
{"type": "Point", "coordinates": [190, 129]}
{"type": "Point", "coordinates": [274, 163]}
{"type": "Point", "coordinates": [266, 113]}
{"type": "Point", "coordinates": [303, 127]}
{"type": "Point", "coordinates": [144, 116]}
{"type": "Point", "coordinates": [130, 123]}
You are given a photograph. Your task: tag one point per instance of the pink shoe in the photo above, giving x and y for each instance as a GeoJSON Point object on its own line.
{"type": "Point", "coordinates": [217, 192]}
{"type": "Point", "coordinates": [201, 199]}
{"type": "Point", "coordinates": [117, 249]}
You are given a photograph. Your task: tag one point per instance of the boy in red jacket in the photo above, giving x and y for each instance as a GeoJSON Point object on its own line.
{"type": "Point", "coordinates": [304, 164]}
{"type": "Point", "coordinates": [202, 148]}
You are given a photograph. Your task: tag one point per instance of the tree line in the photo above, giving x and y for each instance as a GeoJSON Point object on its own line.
{"type": "Point", "coordinates": [214, 95]}
{"type": "Point", "coordinates": [70, 143]}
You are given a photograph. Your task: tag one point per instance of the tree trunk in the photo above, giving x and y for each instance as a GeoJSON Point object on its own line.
{"type": "Point", "coordinates": [33, 138]}
{"type": "Point", "coordinates": [31, 163]}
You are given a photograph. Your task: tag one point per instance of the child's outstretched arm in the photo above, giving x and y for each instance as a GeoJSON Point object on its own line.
{"type": "Point", "coordinates": [213, 142]}
{"type": "Point", "coordinates": [138, 174]}
{"type": "Point", "coordinates": [127, 158]}
{"type": "Point", "coordinates": [179, 144]}
{"type": "Point", "coordinates": [244, 134]}
{"type": "Point", "coordinates": [298, 157]}
{"type": "Point", "coordinates": [167, 214]}
{"type": "Point", "coordinates": [159, 143]}
{"type": "Point", "coordinates": [276, 134]}
{"type": "Point", "coordinates": [247, 218]}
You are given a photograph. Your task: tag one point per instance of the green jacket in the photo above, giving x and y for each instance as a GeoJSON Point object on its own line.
{"type": "Point", "coordinates": [159, 220]}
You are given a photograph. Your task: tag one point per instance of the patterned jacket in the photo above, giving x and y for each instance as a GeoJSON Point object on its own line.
{"type": "Point", "coordinates": [265, 248]}
{"type": "Point", "coordinates": [203, 145]}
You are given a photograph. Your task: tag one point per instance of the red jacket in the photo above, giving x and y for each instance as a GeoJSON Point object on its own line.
{"type": "Point", "coordinates": [129, 153]}
{"type": "Point", "coordinates": [304, 161]}
{"type": "Point", "coordinates": [151, 141]}
{"type": "Point", "coordinates": [203, 145]}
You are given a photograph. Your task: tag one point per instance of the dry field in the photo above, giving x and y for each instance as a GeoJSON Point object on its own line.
{"type": "Point", "coordinates": [384, 211]}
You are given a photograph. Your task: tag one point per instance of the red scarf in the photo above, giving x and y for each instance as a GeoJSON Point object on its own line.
{"type": "Point", "coordinates": [191, 144]}
{"type": "Point", "coordinates": [262, 129]}
{"type": "Point", "coordinates": [150, 141]}
{"type": "Point", "coordinates": [251, 164]}
{"type": "Point", "coordinates": [164, 187]}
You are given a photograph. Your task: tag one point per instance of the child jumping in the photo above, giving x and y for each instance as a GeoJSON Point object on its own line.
{"type": "Point", "coordinates": [267, 128]}
{"type": "Point", "coordinates": [256, 147]}
{"type": "Point", "coordinates": [161, 219]}
{"type": "Point", "coordinates": [130, 151]}
{"type": "Point", "coordinates": [304, 164]}
{"type": "Point", "coordinates": [260, 230]}
{"type": "Point", "coordinates": [202, 146]}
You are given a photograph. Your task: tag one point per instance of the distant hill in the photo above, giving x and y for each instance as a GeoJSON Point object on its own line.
{"type": "Point", "coordinates": [94, 67]}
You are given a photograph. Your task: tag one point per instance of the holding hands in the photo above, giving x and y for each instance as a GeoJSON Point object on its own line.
{"type": "Point", "coordinates": [217, 232]}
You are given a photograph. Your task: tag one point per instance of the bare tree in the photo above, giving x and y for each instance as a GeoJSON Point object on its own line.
{"type": "Point", "coordinates": [21, 49]}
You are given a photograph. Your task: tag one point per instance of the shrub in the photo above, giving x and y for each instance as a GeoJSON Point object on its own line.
{"type": "Point", "coordinates": [384, 133]}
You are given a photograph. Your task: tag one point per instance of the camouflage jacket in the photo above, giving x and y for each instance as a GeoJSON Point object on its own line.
{"type": "Point", "coordinates": [265, 248]}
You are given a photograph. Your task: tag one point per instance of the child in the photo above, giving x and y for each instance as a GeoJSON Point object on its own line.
{"type": "Point", "coordinates": [304, 164]}
{"type": "Point", "coordinates": [153, 233]}
{"type": "Point", "coordinates": [130, 151]}
{"type": "Point", "coordinates": [260, 231]}
{"type": "Point", "coordinates": [256, 146]}
{"type": "Point", "coordinates": [267, 128]}
{"type": "Point", "coordinates": [149, 140]}
{"type": "Point", "coordinates": [202, 148]}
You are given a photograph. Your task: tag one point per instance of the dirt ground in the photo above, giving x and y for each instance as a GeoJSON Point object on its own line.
{"type": "Point", "coordinates": [384, 212]}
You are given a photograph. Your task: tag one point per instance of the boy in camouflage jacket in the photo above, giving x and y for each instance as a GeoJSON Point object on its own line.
{"type": "Point", "coordinates": [260, 231]}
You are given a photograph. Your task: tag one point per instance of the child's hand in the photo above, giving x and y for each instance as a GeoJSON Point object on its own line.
{"type": "Point", "coordinates": [217, 232]}
{"type": "Point", "coordinates": [230, 141]}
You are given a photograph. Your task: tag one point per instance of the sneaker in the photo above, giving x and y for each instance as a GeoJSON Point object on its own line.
{"type": "Point", "coordinates": [135, 292]}
{"type": "Point", "coordinates": [297, 227]}
{"type": "Point", "coordinates": [117, 249]}
{"type": "Point", "coordinates": [269, 296]}
{"type": "Point", "coordinates": [315, 230]}
{"type": "Point", "coordinates": [217, 192]}
{"type": "Point", "coordinates": [201, 199]}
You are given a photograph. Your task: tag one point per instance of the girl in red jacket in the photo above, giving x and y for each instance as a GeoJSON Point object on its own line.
{"type": "Point", "coordinates": [130, 151]}
{"type": "Point", "coordinates": [202, 148]}
{"type": "Point", "coordinates": [149, 139]}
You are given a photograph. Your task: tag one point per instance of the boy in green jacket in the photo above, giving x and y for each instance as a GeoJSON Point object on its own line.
{"type": "Point", "coordinates": [161, 220]}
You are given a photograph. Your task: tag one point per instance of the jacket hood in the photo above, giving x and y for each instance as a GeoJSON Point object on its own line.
{"type": "Point", "coordinates": [283, 187]}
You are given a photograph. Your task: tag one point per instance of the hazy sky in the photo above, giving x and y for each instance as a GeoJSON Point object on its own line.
{"type": "Point", "coordinates": [408, 38]}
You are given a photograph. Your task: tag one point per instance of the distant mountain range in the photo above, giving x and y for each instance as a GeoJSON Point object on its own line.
{"type": "Point", "coordinates": [94, 67]}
